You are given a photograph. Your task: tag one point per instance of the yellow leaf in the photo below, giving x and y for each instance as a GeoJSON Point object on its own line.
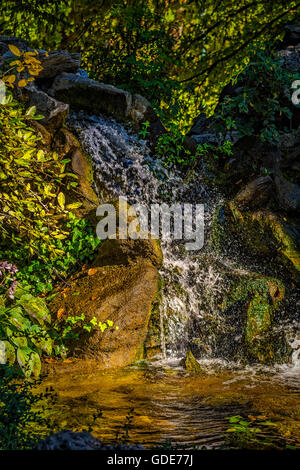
{"type": "Point", "coordinates": [92, 271]}
{"type": "Point", "coordinates": [29, 54]}
{"type": "Point", "coordinates": [60, 313]}
{"type": "Point", "coordinates": [14, 50]}
{"type": "Point", "coordinates": [61, 200]}
{"type": "Point", "coordinates": [74, 205]}
{"type": "Point", "coordinates": [22, 83]}
{"type": "Point", "coordinates": [10, 79]}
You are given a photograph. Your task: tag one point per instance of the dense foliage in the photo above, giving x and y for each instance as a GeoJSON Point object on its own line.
{"type": "Point", "coordinates": [265, 110]}
{"type": "Point", "coordinates": [179, 54]}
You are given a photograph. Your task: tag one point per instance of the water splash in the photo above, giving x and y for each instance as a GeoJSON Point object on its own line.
{"type": "Point", "coordinates": [193, 283]}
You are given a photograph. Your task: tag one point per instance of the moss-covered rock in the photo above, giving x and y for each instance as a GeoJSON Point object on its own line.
{"type": "Point", "coordinates": [192, 365]}
{"type": "Point", "coordinates": [239, 316]}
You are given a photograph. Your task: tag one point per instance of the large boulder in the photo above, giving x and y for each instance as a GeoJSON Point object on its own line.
{"type": "Point", "coordinates": [255, 194]}
{"type": "Point", "coordinates": [87, 94]}
{"type": "Point", "coordinates": [83, 93]}
{"type": "Point", "coordinates": [266, 233]}
{"type": "Point", "coordinates": [123, 294]}
{"type": "Point", "coordinates": [126, 252]}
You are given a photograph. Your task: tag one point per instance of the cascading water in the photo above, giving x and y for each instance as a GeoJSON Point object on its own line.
{"type": "Point", "coordinates": [193, 281]}
{"type": "Point", "coordinates": [170, 404]}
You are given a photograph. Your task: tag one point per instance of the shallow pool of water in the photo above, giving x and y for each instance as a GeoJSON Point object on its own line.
{"type": "Point", "coordinates": [167, 404]}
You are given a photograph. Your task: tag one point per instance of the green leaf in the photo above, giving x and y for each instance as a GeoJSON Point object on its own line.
{"type": "Point", "coordinates": [36, 307]}
{"type": "Point", "coordinates": [23, 355]}
{"type": "Point", "coordinates": [31, 111]}
{"type": "Point", "coordinates": [34, 365]}
{"type": "Point", "coordinates": [19, 341]}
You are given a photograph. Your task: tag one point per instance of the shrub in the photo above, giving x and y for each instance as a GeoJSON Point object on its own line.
{"type": "Point", "coordinates": [262, 106]}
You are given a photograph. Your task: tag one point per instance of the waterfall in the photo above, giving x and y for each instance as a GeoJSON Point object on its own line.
{"type": "Point", "coordinates": [192, 281]}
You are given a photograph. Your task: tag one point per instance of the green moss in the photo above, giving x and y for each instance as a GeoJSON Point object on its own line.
{"type": "Point", "coordinates": [192, 365]}
{"type": "Point", "coordinates": [259, 317]}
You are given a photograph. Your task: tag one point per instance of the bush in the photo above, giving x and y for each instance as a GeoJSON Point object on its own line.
{"type": "Point", "coordinates": [21, 424]}
{"type": "Point", "coordinates": [262, 106]}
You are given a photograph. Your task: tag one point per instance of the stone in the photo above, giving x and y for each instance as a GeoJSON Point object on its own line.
{"type": "Point", "coordinates": [291, 58]}
{"type": "Point", "coordinates": [266, 233]}
{"type": "Point", "coordinates": [288, 194]}
{"type": "Point", "coordinates": [87, 94]}
{"type": "Point", "coordinates": [237, 316]}
{"type": "Point", "coordinates": [54, 112]}
{"type": "Point", "coordinates": [258, 317]}
{"type": "Point", "coordinates": [126, 252]}
{"type": "Point", "coordinates": [57, 62]}
{"type": "Point", "coordinates": [202, 131]}
{"type": "Point", "coordinates": [121, 294]}
{"type": "Point", "coordinates": [70, 440]}
{"type": "Point", "coordinates": [46, 137]}
{"type": "Point", "coordinates": [67, 146]}
{"type": "Point", "coordinates": [64, 141]}
{"type": "Point", "coordinates": [255, 194]}
{"type": "Point", "coordinates": [192, 365]}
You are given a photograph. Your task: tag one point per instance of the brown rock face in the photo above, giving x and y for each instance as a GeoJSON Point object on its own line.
{"type": "Point", "coordinates": [122, 294]}
{"type": "Point", "coordinates": [125, 252]}
{"type": "Point", "coordinates": [122, 287]}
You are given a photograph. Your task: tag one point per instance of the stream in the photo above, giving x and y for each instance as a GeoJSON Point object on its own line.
{"type": "Point", "coordinates": [167, 403]}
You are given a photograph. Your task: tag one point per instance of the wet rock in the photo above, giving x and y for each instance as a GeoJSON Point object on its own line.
{"type": "Point", "coordinates": [57, 62]}
{"type": "Point", "coordinates": [258, 317]}
{"type": "Point", "coordinates": [192, 365]}
{"type": "Point", "coordinates": [87, 94]}
{"type": "Point", "coordinates": [238, 316]}
{"type": "Point", "coordinates": [266, 233]}
{"type": "Point", "coordinates": [255, 194]}
{"type": "Point", "coordinates": [288, 194]}
{"type": "Point", "coordinates": [69, 440]}
{"type": "Point", "coordinates": [54, 112]}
